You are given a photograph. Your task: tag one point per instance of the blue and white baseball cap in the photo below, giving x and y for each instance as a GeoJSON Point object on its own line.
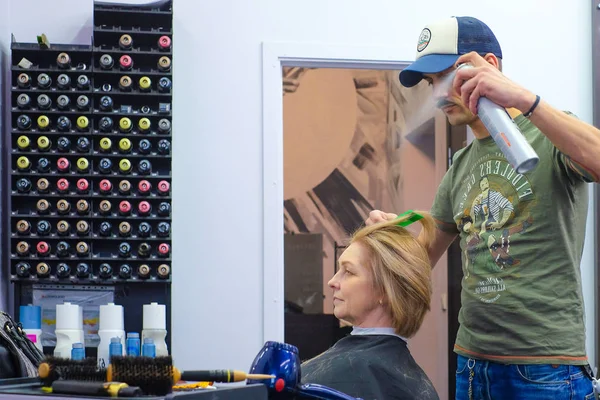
{"type": "Point", "coordinates": [443, 42]}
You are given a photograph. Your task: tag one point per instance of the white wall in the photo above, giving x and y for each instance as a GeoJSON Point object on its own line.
{"type": "Point", "coordinates": [217, 184]}
{"type": "Point", "coordinates": [63, 21]}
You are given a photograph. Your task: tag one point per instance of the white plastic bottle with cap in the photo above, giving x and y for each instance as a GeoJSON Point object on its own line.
{"type": "Point", "coordinates": [155, 327]}
{"type": "Point", "coordinates": [111, 325]}
{"type": "Point", "coordinates": [69, 328]}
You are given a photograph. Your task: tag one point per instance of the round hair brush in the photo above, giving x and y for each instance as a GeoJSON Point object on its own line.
{"type": "Point", "coordinates": [153, 375]}
{"type": "Point", "coordinates": [157, 375]}
{"type": "Point", "coordinates": [54, 368]}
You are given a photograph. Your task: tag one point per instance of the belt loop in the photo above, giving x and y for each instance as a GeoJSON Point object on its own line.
{"type": "Point", "coordinates": [470, 363]}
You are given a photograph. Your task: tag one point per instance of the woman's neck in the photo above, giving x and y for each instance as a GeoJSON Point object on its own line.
{"type": "Point", "coordinates": [378, 318]}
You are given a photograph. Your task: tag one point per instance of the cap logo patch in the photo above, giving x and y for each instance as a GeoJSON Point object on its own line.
{"type": "Point", "coordinates": [424, 39]}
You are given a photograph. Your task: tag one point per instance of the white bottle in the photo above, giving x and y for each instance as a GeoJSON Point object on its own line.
{"type": "Point", "coordinates": [155, 327]}
{"type": "Point", "coordinates": [111, 325]}
{"type": "Point", "coordinates": [30, 317]}
{"type": "Point", "coordinates": [69, 328]}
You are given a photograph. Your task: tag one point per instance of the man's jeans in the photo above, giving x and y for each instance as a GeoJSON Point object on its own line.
{"type": "Point", "coordinates": [494, 381]}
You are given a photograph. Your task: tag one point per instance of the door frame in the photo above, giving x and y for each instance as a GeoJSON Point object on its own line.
{"type": "Point", "coordinates": [596, 188]}
{"type": "Point", "coordinates": [276, 55]}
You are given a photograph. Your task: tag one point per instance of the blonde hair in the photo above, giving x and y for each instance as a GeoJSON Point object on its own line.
{"type": "Point", "coordinates": [401, 269]}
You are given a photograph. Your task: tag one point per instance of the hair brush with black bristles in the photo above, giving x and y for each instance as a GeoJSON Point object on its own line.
{"type": "Point", "coordinates": [55, 368]}
{"type": "Point", "coordinates": [158, 375]}
{"type": "Point", "coordinates": [153, 375]}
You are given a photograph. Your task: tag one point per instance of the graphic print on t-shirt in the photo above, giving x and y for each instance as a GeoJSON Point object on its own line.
{"type": "Point", "coordinates": [493, 214]}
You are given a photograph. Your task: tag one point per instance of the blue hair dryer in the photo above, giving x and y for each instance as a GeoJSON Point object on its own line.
{"type": "Point", "coordinates": [283, 361]}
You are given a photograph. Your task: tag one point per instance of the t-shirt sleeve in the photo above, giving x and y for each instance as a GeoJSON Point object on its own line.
{"type": "Point", "coordinates": [575, 172]}
{"type": "Point", "coordinates": [441, 210]}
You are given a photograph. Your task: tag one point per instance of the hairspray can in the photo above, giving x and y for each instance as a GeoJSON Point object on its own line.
{"type": "Point", "coordinates": [506, 134]}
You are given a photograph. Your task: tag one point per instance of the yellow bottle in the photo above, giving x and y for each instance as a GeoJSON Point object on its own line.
{"type": "Point", "coordinates": [23, 142]}
{"type": "Point", "coordinates": [125, 145]}
{"type": "Point", "coordinates": [105, 144]}
{"type": "Point", "coordinates": [125, 124]}
{"type": "Point", "coordinates": [125, 166]}
{"type": "Point", "coordinates": [144, 125]}
{"type": "Point", "coordinates": [43, 143]}
{"type": "Point", "coordinates": [43, 122]}
{"type": "Point", "coordinates": [23, 163]}
{"type": "Point", "coordinates": [82, 123]}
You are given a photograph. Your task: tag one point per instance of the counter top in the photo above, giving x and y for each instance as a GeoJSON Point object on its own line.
{"type": "Point", "coordinates": [32, 391]}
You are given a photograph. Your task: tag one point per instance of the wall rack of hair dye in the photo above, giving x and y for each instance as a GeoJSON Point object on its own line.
{"type": "Point", "coordinates": [90, 145]}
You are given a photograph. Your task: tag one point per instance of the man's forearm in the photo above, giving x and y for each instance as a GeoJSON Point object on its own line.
{"type": "Point", "coordinates": [574, 138]}
{"type": "Point", "coordinates": [436, 246]}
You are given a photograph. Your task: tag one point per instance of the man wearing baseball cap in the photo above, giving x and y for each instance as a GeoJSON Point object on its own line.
{"type": "Point", "coordinates": [522, 328]}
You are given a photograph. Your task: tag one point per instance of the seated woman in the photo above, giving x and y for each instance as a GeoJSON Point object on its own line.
{"type": "Point", "coordinates": [383, 288]}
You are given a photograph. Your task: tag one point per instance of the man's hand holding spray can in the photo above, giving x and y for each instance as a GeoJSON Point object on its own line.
{"type": "Point", "coordinates": [505, 133]}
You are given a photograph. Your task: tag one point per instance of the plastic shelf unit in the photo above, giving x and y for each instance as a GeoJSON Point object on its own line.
{"type": "Point", "coordinates": [90, 169]}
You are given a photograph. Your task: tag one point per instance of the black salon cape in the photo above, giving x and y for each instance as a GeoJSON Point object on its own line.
{"type": "Point", "coordinates": [372, 367]}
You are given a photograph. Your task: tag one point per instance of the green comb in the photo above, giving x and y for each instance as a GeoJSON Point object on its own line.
{"type": "Point", "coordinates": [414, 217]}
